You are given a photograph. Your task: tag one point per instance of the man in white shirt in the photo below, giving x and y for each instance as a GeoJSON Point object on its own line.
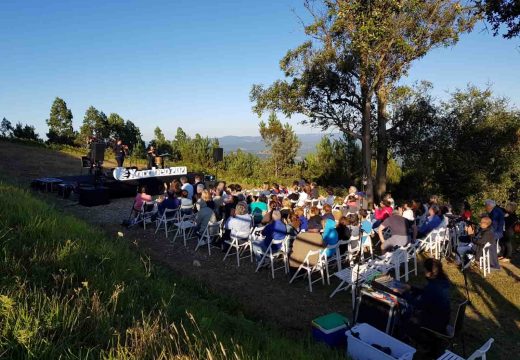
{"type": "Point", "coordinates": [187, 186]}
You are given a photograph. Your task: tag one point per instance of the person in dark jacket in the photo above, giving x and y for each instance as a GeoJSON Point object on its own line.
{"type": "Point", "coordinates": [506, 243]}
{"type": "Point", "coordinates": [476, 246]}
{"type": "Point", "coordinates": [431, 307]}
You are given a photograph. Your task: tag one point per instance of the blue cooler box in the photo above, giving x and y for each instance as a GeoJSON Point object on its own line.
{"type": "Point", "coordinates": [330, 329]}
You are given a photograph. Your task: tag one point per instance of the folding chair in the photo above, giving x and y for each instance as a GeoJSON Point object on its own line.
{"type": "Point", "coordinates": [411, 254]}
{"type": "Point", "coordinates": [453, 331]}
{"type": "Point", "coordinates": [478, 354]}
{"type": "Point", "coordinates": [485, 264]}
{"type": "Point", "coordinates": [240, 246]}
{"type": "Point", "coordinates": [185, 226]}
{"type": "Point", "coordinates": [310, 269]}
{"type": "Point", "coordinates": [352, 277]}
{"type": "Point", "coordinates": [210, 233]}
{"type": "Point", "coordinates": [349, 254]}
{"type": "Point", "coordinates": [145, 213]}
{"type": "Point", "coordinates": [273, 256]}
{"type": "Point", "coordinates": [167, 217]}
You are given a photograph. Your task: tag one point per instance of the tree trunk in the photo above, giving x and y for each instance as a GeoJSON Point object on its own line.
{"type": "Point", "coordinates": [366, 149]}
{"type": "Point", "coordinates": [382, 143]}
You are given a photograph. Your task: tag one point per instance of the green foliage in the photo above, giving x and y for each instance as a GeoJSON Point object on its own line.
{"type": "Point", "coordinates": [69, 291]}
{"type": "Point", "coordinates": [282, 142]}
{"type": "Point", "coordinates": [60, 123]}
{"type": "Point", "coordinates": [25, 132]}
{"type": "Point", "coordinates": [6, 128]}
{"type": "Point", "coordinates": [336, 162]}
{"type": "Point", "coordinates": [500, 14]}
{"type": "Point", "coordinates": [465, 147]}
{"type": "Point", "coordinates": [95, 123]}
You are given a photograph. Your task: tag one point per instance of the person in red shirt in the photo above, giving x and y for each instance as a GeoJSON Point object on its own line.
{"type": "Point", "coordinates": [381, 212]}
{"type": "Point", "coordinates": [466, 212]}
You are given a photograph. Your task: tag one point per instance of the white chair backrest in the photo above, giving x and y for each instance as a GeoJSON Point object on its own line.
{"type": "Point", "coordinates": [481, 353]}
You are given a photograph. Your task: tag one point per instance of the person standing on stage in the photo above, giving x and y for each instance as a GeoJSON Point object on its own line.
{"type": "Point", "coordinates": [119, 151]}
{"type": "Point", "coordinates": [150, 155]}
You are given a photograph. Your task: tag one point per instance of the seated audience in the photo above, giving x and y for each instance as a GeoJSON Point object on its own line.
{"type": "Point", "coordinates": [351, 201]}
{"type": "Point", "coordinates": [240, 222]}
{"type": "Point", "coordinates": [327, 213]}
{"type": "Point", "coordinates": [366, 228]}
{"type": "Point", "coordinates": [265, 189]}
{"type": "Point", "coordinates": [305, 242]}
{"type": "Point", "coordinates": [204, 216]}
{"type": "Point", "coordinates": [343, 228]}
{"type": "Point", "coordinates": [399, 228]}
{"type": "Point", "coordinates": [315, 218]}
{"type": "Point", "coordinates": [303, 220]}
{"type": "Point", "coordinates": [186, 203]}
{"type": "Point", "coordinates": [381, 212]}
{"type": "Point", "coordinates": [140, 198]}
{"type": "Point", "coordinates": [187, 186]}
{"type": "Point", "coordinates": [267, 216]}
{"type": "Point", "coordinates": [432, 221]}
{"type": "Point", "coordinates": [286, 209]}
{"type": "Point", "coordinates": [275, 230]}
{"type": "Point", "coordinates": [304, 196]}
{"type": "Point", "coordinates": [170, 202]}
{"type": "Point", "coordinates": [315, 192]}
{"type": "Point", "coordinates": [330, 236]}
{"type": "Point", "coordinates": [330, 197]}
{"type": "Point", "coordinates": [484, 236]}
{"type": "Point", "coordinates": [466, 211]}
{"type": "Point", "coordinates": [258, 208]}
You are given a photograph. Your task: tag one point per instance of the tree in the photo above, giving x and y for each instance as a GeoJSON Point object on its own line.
{"type": "Point", "coordinates": [282, 142]}
{"type": "Point", "coordinates": [25, 132]}
{"type": "Point", "coordinates": [502, 12]}
{"type": "Point", "coordinates": [356, 48]}
{"type": "Point", "coordinates": [60, 123]}
{"type": "Point", "coordinates": [163, 146]}
{"type": "Point", "coordinates": [465, 148]}
{"type": "Point", "coordinates": [95, 123]}
{"type": "Point", "coordinates": [179, 144]}
{"type": "Point", "coordinates": [116, 127]}
{"type": "Point", "coordinates": [6, 128]}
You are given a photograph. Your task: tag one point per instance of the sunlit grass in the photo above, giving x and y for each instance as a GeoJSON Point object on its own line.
{"type": "Point", "coordinates": [67, 290]}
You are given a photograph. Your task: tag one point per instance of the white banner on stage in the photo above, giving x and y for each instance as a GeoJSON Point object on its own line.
{"type": "Point", "coordinates": [124, 174]}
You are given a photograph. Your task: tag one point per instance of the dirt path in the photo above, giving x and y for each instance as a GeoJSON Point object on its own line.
{"type": "Point", "coordinates": [290, 306]}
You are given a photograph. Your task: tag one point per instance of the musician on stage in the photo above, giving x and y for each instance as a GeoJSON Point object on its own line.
{"type": "Point", "coordinates": [150, 155]}
{"type": "Point", "coordinates": [120, 151]}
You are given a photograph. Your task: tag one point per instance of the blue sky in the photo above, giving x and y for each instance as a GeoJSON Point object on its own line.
{"type": "Point", "coordinates": [186, 63]}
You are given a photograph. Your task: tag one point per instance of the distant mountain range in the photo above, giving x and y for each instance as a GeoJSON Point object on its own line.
{"type": "Point", "coordinates": [255, 145]}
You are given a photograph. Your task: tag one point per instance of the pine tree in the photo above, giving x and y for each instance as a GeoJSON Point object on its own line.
{"type": "Point", "coordinates": [60, 123]}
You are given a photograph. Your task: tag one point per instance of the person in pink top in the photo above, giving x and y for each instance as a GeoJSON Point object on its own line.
{"type": "Point", "coordinates": [140, 198]}
{"type": "Point", "coordinates": [381, 212]}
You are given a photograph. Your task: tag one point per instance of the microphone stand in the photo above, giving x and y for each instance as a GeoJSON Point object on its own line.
{"type": "Point", "coordinates": [358, 257]}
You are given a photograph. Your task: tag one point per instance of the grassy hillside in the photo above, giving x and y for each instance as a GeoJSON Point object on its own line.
{"type": "Point", "coordinates": [69, 291]}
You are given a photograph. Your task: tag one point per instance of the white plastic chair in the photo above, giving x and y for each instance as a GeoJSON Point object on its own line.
{"type": "Point", "coordinates": [271, 256]}
{"type": "Point", "coordinates": [185, 227]}
{"type": "Point", "coordinates": [210, 233]}
{"type": "Point", "coordinates": [349, 277]}
{"type": "Point", "coordinates": [310, 269]}
{"type": "Point", "coordinates": [240, 246]}
{"type": "Point", "coordinates": [168, 216]}
{"type": "Point", "coordinates": [485, 264]}
{"type": "Point", "coordinates": [478, 354]}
